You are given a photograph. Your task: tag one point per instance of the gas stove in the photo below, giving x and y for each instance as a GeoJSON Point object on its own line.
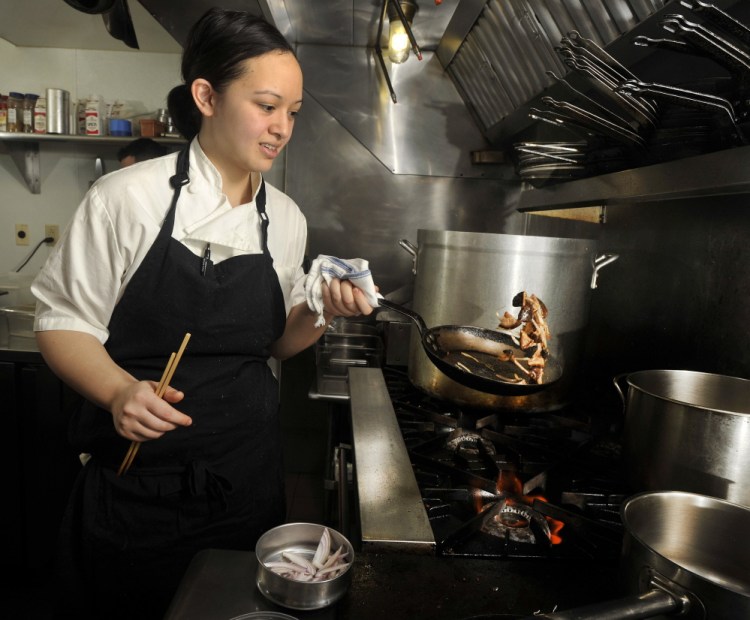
{"type": "Point", "coordinates": [497, 484]}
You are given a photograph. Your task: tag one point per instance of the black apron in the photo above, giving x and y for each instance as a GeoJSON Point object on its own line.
{"type": "Point", "coordinates": [126, 541]}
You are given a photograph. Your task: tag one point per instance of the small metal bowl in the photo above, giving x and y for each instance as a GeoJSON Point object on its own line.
{"type": "Point", "coordinates": [301, 539]}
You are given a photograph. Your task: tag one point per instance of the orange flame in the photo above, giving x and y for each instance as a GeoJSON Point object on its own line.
{"type": "Point", "coordinates": [510, 484]}
{"type": "Point", "coordinates": [555, 526]}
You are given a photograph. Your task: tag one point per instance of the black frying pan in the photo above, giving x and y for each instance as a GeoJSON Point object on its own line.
{"type": "Point", "coordinates": [478, 350]}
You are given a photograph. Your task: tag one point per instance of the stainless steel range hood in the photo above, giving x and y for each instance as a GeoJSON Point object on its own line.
{"type": "Point", "coordinates": [428, 133]}
{"type": "Point", "coordinates": [351, 23]}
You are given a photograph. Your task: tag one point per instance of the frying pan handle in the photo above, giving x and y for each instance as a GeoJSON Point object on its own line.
{"type": "Point", "coordinates": [714, 14]}
{"type": "Point", "coordinates": [412, 249]}
{"type": "Point", "coordinates": [418, 320]}
{"type": "Point", "coordinates": [675, 45]}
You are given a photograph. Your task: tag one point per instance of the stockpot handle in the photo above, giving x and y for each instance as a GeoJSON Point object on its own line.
{"type": "Point", "coordinates": [599, 263]}
{"type": "Point", "coordinates": [618, 380]}
{"type": "Point", "coordinates": [660, 598]}
{"type": "Point", "coordinates": [412, 249]}
{"type": "Point", "coordinates": [650, 604]}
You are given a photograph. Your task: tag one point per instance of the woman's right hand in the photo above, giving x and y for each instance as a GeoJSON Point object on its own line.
{"type": "Point", "coordinates": [140, 415]}
{"type": "Point", "coordinates": [83, 363]}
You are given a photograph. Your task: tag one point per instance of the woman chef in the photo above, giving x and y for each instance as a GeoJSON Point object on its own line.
{"type": "Point", "coordinates": [192, 242]}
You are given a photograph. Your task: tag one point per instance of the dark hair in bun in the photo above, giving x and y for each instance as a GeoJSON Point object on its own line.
{"type": "Point", "coordinates": [217, 45]}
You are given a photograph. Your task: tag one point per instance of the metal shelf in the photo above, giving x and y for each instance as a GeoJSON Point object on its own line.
{"type": "Point", "coordinates": [720, 173]}
{"type": "Point", "coordinates": [49, 137]}
{"type": "Point", "coordinates": [24, 150]}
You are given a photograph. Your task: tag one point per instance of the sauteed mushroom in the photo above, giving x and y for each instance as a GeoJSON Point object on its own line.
{"type": "Point", "coordinates": [533, 337]}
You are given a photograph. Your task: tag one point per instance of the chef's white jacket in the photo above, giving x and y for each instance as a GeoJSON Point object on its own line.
{"type": "Point", "coordinates": [119, 219]}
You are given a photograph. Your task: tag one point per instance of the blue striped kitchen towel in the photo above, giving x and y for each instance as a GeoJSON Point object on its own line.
{"type": "Point", "coordinates": [326, 268]}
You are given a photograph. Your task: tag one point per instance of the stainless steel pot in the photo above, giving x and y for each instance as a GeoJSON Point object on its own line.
{"type": "Point", "coordinates": [468, 278]}
{"type": "Point", "coordinates": [687, 431]}
{"type": "Point", "coordinates": [301, 539]}
{"type": "Point", "coordinates": [679, 559]}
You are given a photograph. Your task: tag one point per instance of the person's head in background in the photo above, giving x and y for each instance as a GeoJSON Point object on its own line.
{"type": "Point", "coordinates": [140, 150]}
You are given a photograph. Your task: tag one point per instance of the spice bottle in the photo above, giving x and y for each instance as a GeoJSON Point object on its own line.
{"type": "Point", "coordinates": [40, 115]}
{"type": "Point", "coordinates": [15, 111]}
{"type": "Point", "coordinates": [29, 101]}
{"type": "Point", "coordinates": [3, 112]}
{"type": "Point", "coordinates": [95, 111]}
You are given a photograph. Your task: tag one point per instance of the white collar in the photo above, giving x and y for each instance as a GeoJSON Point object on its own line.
{"type": "Point", "coordinates": [205, 179]}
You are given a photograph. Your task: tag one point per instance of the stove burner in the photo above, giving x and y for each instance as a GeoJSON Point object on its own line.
{"type": "Point", "coordinates": [516, 522]}
{"type": "Point", "coordinates": [509, 484]}
{"type": "Point", "coordinates": [469, 443]}
{"type": "Point", "coordinates": [514, 518]}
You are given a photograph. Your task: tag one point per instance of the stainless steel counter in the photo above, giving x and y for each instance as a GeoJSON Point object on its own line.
{"type": "Point", "coordinates": [392, 514]}
{"type": "Point", "coordinates": [220, 584]}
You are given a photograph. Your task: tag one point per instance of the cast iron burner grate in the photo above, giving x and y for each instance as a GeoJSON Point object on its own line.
{"type": "Point", "coordinates": [513, 485]}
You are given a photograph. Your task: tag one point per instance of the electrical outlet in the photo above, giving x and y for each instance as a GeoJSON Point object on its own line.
{"type": "Point", "coordinates": [22, 234]}
{"type": "Point", "coordinates": [52, 230]}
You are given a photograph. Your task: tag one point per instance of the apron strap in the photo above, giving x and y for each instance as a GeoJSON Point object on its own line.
{"type": "Point", "coordinates": [181, 177]}
{"type": "Point", "coordinates": [260, 205]}
{"type": "Point", "coordinates": [177, 180]}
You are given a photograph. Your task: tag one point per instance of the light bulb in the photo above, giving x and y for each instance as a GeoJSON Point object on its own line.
{"type": "Point", "coordinates": [398, 42]}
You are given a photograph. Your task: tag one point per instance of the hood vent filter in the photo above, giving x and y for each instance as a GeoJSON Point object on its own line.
{"type": "Point", "coordinates": [503, 61]}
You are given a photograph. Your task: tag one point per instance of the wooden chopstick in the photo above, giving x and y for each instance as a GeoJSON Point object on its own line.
{"type": "Point", "coordinates": [161, 389]}
{"type": "Point", "coordinates": [133, 450]}
{"type": "Point", "coordinates": [165, 374]}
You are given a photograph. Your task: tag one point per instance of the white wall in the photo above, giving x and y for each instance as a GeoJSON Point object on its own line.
{"type": "Point", "coordinates": [67, 169]}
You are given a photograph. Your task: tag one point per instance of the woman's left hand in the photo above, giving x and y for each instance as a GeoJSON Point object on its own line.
{"type": "Point", "coordinates": [342, 298]}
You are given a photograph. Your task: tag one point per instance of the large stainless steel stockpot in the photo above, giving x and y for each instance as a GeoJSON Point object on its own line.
{"type": "Point", "coordinates": [469, 278]}
{"type": "Point", "coordinates": [687, 431]}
